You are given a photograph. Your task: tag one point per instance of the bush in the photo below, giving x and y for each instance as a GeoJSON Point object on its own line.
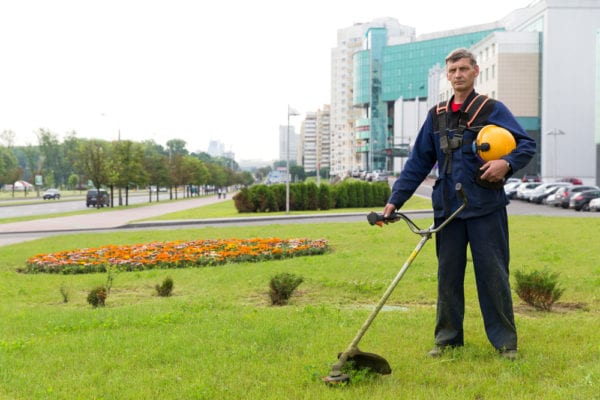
{"type": "Point", "coordinates": [538, 288]}
{"type": "Point", "coordinates": [282, 286]}
{"type": "Point", "coordinates": [242, 201]}
{"type": "Point", "coordinates": [97, 297]}
{"type": "Point", "coordinates": [325, 197]}
{"type": "Point", "coordinates": [312, 193]}
{"type": "Point", "coordinates": [262, 198]}
{"type": "Point", "coordinates": [65, 292]}
{"type": "Point", "coordinates": [166, 288]}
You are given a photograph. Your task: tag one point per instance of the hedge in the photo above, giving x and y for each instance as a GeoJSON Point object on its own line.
{"type": "Point", "coordinates": [309, 196]}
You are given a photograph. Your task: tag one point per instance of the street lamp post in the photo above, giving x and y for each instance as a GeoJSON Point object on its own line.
{"type": "Point", "coordinates": [290, 112]}
{"type": "Point", "coordinates": [555, 132]}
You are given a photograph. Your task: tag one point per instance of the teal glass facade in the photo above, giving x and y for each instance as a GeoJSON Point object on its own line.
{"type": "Point", "coordinates": [383, 74]}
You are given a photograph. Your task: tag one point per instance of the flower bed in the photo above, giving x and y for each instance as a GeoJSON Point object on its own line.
{"type": "Point", "coordinates": [176, 254]}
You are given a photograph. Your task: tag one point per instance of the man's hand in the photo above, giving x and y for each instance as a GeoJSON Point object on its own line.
{"type": "Point", "coordinates": [388, 210]}
{"type": "Point", "coordinates": [494, 170]}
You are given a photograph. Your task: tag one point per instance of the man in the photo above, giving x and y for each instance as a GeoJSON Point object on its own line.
{"type": "Point", "coordinates": [446, 137]}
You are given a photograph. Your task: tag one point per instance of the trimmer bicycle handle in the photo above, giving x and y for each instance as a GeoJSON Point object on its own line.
{"type": "Point", "coordinates": [379, 219]}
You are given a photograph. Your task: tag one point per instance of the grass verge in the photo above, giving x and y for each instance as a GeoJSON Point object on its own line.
{"type": "Point", "coordinates": [217, 336]}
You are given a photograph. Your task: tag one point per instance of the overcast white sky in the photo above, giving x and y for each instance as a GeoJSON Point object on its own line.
{"type": "Point", "coordinates": [193, 70]}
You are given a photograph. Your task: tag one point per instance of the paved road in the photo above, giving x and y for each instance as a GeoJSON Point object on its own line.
{"type": "Point", "coordinates": [17, 232]}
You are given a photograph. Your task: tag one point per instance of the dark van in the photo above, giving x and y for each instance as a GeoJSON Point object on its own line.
{"type": "Point", "coordinates": [93, 198]}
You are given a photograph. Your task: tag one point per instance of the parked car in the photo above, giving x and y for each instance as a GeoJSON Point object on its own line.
{"type": "Point", "coordinates": [571, 180]}
{"type": "Point", "coordinates": [511, 189]}
{"type": "Point", "coordinates": [93, 198]}
{"type": "Point", "coordinates": [538, 195]}
{"type": "Point", "coordinates": [580, 201]}
{"type": "Point", "coordinates": [380, 176]}
{"type": "Point", "coordinates": [595, 204]}
{"type": "Point", "coordinates": [563, 195]}
{"type": "Point", "coordinates": [51, 194]}
{"type": "Point", "coordinates": [551, 200]}
{"type": "Point", "coordinates": [531, 178]}
{"type": "Point", "coordinates": [525, 188]}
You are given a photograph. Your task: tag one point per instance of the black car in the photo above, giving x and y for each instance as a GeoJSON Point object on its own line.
{"type": "Point", "coordinates": [93, 198]}
{"type": "Point", "coordinates": [563, 195]}
{"type": "Point", "coordinates": [51, 194]}
{"type": "Point", "coordinates": [581, 201]}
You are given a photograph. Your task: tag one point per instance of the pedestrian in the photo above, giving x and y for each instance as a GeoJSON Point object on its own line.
{"type": "Point", "coordinates": [446, 137]}
{"type": "Point", "coordinates": [219, 192]}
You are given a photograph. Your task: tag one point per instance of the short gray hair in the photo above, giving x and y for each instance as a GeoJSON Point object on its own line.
{"type": "Point", "coordinates": [457, 54]}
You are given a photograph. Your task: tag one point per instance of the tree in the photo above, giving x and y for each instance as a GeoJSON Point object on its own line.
{"type": "Point", "coordinates": [218, 176]}
{"type": "Point", "coordinates": [8, 137]}
{"type": "Point", "coordinates": [9, 168]}
{"type": "Point", "coordinates": [126, 158]}
{"type": "Point", "coordinates": [53, 161]}
{"type": "Point", "coordinates": [177, 146]}
{"type": "Point", "coordinates": [246, 178]}
{"type": "Point", "coordinates": [155, 164]}
{"type": "Point", "coordinates": [33, 160]}
{"type": "Point", "coordinates": [195, 171]}
{"type": "Point", "coordinates": [94, 163]}
{"type": "Point", "coordinates": [70, 153]}
{"type": "Point", "coordinates": [297, 173]}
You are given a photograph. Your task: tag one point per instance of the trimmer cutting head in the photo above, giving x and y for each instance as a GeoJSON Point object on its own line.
{"type": "Point", "coordinates": [357, 360]}
{"type": "Point", "coordinates": [374, 362]}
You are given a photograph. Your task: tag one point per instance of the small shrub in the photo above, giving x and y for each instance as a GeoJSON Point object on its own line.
{"type": "Point", "coordinates": [166, 288]}
{"type": "Point", "coordinates": [97, 297]}
{"type": "Point", "coordinates": [282, 286]}
{"type": "Point", "coordinates": [65, 292]}
{"type": "Point", "coordinates": [538, 288]}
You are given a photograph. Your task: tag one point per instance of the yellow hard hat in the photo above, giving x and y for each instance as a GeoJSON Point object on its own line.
{"type": "Point", "coordinates": [493, 142]}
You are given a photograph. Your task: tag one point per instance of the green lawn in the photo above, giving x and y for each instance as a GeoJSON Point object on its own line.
{"type": "Point", "coordinates": [218, 337]}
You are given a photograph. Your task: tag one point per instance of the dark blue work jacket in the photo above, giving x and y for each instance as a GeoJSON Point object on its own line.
{"type": "Point", "coordinates": [426, 153]}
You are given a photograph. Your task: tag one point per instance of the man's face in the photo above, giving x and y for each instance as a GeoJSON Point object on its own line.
{"type": "Point", "coordinates": [462, 74]}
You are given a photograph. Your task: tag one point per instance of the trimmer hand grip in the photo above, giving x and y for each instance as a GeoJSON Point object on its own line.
{"type": "Point", "coordinates": [378, 218]}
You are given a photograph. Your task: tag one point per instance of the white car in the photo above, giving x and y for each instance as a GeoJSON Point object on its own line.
{"type": "Point", "coordinates": [595, 204]}
{"type": "Point", "coordinates": [525, 188]}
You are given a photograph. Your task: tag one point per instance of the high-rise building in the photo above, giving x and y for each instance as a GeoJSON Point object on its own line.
{"type": "Point", "coordinates": [314, 147]}
{"type": "Point", "coordinates": [215, 148]}
{"type": "Point", "coordinates": [309, 139]}
{"type": "Point", "coordinates": [324, 135]}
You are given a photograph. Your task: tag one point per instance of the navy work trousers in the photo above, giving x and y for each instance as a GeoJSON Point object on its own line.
{"type": "Point", "coordinates": [488, 240]}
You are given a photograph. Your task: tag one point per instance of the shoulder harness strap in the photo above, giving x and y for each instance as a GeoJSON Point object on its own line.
{"type": "Point", "coordinates": [465, 120]}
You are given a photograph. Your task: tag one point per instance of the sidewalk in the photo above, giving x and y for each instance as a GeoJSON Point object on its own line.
{"type": "Point", "coordinates": [106, 220]}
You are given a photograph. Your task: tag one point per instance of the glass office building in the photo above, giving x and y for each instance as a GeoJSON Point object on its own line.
{"type": "Point", "coordinates": [383, 74]}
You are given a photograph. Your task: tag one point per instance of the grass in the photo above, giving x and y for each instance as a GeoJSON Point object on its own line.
{"type": "Point", "coordinates": [217, 337]}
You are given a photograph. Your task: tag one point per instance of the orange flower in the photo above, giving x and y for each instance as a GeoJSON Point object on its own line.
{"type": "Point", "coordinates": [173, 254]}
